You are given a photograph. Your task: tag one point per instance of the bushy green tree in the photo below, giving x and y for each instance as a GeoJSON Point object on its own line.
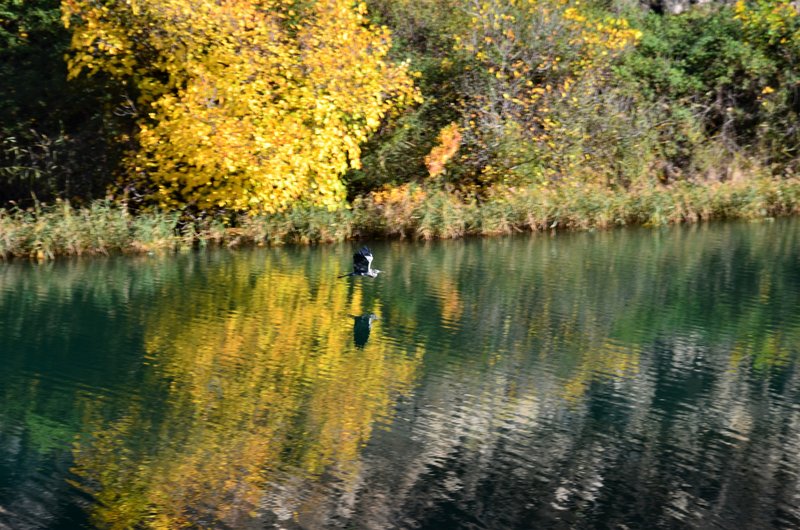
{"type": "Point", "coordinates": [716, 90]}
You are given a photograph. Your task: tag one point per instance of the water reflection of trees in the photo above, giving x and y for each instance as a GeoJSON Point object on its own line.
{"type": "Point", "coordinates": [592, 292]}
{"type": "Point", "coordinates": [646, 378]}
{"type": "Point", "coordinates": [261, 390]}
{"type": "Point", "coordinates": [581, 380]}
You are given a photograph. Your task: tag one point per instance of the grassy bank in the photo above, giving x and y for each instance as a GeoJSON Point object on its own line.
{"type": "Point", "coordinates": [48, 231]}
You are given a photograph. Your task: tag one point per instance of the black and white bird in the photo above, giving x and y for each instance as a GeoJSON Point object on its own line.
{"type": "Point", "coordinates": [362, 264]}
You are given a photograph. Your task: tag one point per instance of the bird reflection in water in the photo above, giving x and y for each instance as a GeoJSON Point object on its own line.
{"type": "Point", "coordinates": [361, 328]}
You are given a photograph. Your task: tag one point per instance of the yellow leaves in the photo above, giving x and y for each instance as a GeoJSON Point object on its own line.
{"type": "Point", "coordinates": [251, 105]}
{"type": "Point", "coordinates": [771, 22]}
{"type": "Point", "coordinates": [539, 58]}
{"type": "Point", "coordinates": [448, 143]}
{"type": "Point", "coordinates": [572, 13]}
{"type": "Point", "coordinates": [403, 197]}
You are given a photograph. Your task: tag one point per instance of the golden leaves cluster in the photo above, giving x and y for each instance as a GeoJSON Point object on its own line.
{"type": "Point", "coordinates": [531, 56]}
{"type": "Point", "coordinates": [248, 105]}
{"type": "Point", "coordinates": [775, 21]}
{"type": "Point", "coordinates": [447, 145]}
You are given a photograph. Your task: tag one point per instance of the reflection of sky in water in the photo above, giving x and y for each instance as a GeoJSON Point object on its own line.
{"type": "Point", "coordinates": [628, 378]}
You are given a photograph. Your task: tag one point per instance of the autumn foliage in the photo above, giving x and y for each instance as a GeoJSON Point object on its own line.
{"type": "Point", "coordinates": [448, 142]}
{"type": "Point", "coordinates": [532, 64]}
{"type": "Point", "coordinates": [245, 105]}
{"type": "Point", "coordinates": [231, 107]}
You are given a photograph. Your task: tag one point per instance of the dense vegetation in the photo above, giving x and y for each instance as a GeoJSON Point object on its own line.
{"type": "Point", "coordinates": [433, 118]}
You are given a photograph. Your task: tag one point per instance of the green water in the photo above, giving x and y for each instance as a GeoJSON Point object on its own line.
{"type": "Point", "coordinates": [623, 379]}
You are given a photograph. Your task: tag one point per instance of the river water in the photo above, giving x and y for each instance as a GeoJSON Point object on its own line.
{"type": "Point", "coordinates": [638, 378]}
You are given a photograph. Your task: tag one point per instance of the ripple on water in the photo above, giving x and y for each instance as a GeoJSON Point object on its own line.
{"type": "Point", "coordinates": [624, 379]}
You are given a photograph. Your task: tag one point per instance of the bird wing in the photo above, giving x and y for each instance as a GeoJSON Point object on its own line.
{"type": "Point", "coordinates": [361, 261]}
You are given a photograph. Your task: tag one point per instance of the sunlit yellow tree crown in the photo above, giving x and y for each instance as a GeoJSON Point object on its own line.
{"type": "Point", "coordinates": [249, 105]}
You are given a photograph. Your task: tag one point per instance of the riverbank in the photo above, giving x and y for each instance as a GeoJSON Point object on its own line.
{"type": "Point", "coordinates": [409, 211]}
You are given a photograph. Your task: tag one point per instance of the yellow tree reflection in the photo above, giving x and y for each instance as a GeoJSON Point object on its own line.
{"type": "Point", "coordinates": [259, 381]}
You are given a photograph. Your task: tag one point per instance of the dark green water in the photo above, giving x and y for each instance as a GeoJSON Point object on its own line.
{"type": "Point", "coordinates": [625, 379]}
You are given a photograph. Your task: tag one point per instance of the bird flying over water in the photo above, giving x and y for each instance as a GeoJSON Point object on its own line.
{"type": "Point", "coordinates": [362, 264]}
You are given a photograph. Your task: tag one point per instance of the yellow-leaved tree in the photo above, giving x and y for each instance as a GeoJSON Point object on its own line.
{"type": "Point", "coordinates": [538, 74]}
{"type": "Point", "coordinates": [249, 105]}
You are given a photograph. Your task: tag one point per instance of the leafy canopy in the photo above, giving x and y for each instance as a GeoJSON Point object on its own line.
{"type": "Point", "coordinates": [536, 66]}
{"type": "Point", "coordinates": [249, 105]}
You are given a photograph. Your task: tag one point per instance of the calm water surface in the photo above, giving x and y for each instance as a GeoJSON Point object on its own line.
{"type": "Point", "coordinates": [625, 379]}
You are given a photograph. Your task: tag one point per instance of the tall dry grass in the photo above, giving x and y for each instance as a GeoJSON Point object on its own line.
{"type": "Point", "coordinates": [408, 211]}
